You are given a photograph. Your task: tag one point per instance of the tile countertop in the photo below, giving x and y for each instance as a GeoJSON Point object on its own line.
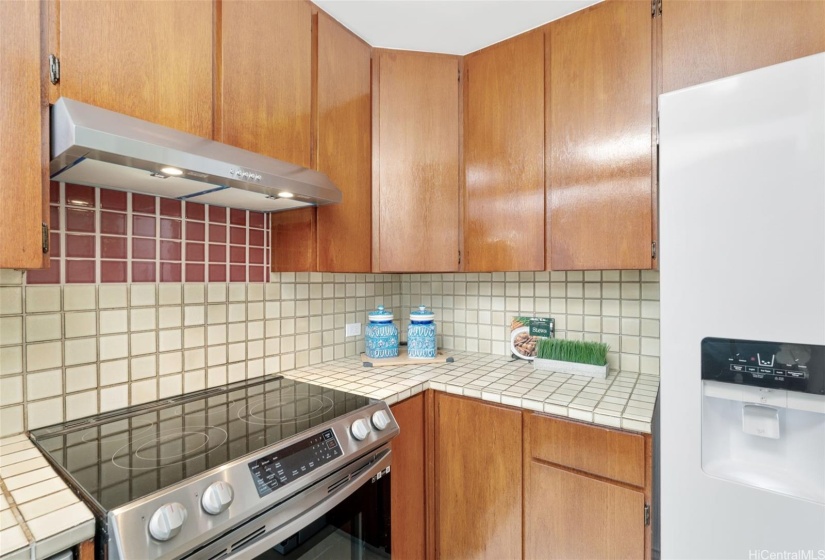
{"type": "Point", "coordinates": [624, 400]}
{"type": "Point", "coordinates": [39, 515]}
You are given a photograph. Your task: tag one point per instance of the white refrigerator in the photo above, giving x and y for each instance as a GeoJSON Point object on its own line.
{"type": "Point", "coordinates": [742, 237]}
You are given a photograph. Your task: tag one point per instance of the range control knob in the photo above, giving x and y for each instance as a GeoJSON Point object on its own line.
{"type": "Point", "coordinates": [360, 429]}
{"type": "Point", "coordinates": [380, 420]}
{"type": "Point", "coordinates": [217, 498]}
{"type": "Point", "coordinates": [167, 521]}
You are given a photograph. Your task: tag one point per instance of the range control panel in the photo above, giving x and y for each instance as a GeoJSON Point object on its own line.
{"type": "Point", "coordinates": [290, 463]}
{"type": "Point", "coordinates": [778, 365]}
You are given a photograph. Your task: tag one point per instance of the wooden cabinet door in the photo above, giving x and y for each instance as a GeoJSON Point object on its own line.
{"type": "Point", "coordinates": [599, 138]}
{"type": "Point", "coordinates": [415, 223]}
{"type": "Point", "coordinates": [703, 40]}
{"type": "Point", "coordinates": [478, 450]}
{"type": "Point", "coordinates": [504, 156]}
{"type": "Point", "coordinates": [570, 516]}
{"type": "Point", "coordinates": [344, 148]}
{"type": "Point", "coordinates": [150, 60]}
{"type": "Point", "coordinates": [24, 137]}
{"type": "Point", "coordinates": [408, 481]}
{"type": "Point", "coordinates": [265, 85]}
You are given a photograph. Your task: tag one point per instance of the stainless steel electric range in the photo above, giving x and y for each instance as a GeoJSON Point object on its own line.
{"type": "Point", "coordinates": [272, 468]}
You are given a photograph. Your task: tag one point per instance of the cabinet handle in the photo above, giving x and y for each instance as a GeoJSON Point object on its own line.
{"type": "Point", "coordinates": [45, 238]}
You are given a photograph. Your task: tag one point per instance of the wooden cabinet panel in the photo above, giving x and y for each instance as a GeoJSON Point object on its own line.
{"type": "Point", "coordinates": [569, 516]}
{"type": "Point", "coordinates": [24, 137]}
{"type": "Point", "coordinates": [150, 60]}
{"type": "Point", "coordinates": [265, 84]}
{"type": "Point", "coordinates": [599, 137]}
{"type": "Point", "coordinates": [344, 148]}
{"type": "Point", "coordinates": [478, 449]}
{"type": "Point", "coordinates": [504, 156]}
{"type": "Point", "coordinates": [409, 481]}
{"type": "Point", "coordinates": [704, 40]}
{"type": "Point", "coordinates": [600, 451]}
{"type": "Point", "coordinates": [293, 240]}
{"type": "Point", "coordinates": [415, 162]}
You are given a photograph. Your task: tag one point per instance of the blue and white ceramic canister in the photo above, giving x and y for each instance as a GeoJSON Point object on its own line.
{"type": "Point", "coordinates": [381, 334]}
{"type": "Point", "coordinates": [421, 334]}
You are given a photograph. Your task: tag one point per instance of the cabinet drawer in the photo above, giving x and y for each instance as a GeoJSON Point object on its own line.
{"type": "Point", "coordinates": [600, 451]}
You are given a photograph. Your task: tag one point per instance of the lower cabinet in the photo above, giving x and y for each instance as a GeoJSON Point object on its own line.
{"type": "Point", "coordinates": [478, 494]}
{"type": "Point", "coordinates": [586, 491]}
{"type": "Point", "coordinates": [473, 479]}
{"type": "Point", "coordinates": [409, 481]}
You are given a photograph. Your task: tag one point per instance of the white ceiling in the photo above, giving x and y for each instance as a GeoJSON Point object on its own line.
{"type": "Point", "coordinates": [445, 26]}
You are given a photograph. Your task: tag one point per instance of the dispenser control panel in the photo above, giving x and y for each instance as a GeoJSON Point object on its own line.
{"type": "Point", "coordinates": [778, 365]}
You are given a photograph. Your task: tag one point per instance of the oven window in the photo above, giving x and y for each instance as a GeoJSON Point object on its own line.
{"type": "Point", "coordinates": [358, 528]}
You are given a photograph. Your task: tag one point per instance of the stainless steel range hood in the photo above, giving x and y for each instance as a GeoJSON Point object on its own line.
{"type": "Point", "coordinates": [93, 146]}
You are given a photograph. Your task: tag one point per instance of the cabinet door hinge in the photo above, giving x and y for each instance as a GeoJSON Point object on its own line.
{"type": "Point", "coordinates": [655, 8]}
{"type": "Point", "coordinates": [459, 74]}
{"type": "Point", "coordinates": [647, 515]}
{"type": "Point", "coordinates": [459, 257]}
{"type": "Point", "coordinates": [45, 237]}
{"type": "Point", "coordinates": [54, 69]}
{"type": "Point", "coordinates": [653, 250]}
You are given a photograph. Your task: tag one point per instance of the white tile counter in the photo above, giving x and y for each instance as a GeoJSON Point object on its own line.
{"type": "Point", "coordinates": [623, 400]}
{"type": "Point", "coordinates": [39, 515]}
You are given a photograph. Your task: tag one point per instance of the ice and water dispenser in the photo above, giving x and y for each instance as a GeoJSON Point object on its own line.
{"type": "Point", "coordinates": [763, 415]}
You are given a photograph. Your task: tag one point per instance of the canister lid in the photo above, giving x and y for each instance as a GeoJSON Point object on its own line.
{"type": "Point", "coordinates": [422, 314]}
{"type": "Point", "coordinates": [380, 315]}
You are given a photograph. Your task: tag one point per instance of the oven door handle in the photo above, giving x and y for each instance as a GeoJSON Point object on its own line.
{"type": "Point", "coordinates": [334, 498]}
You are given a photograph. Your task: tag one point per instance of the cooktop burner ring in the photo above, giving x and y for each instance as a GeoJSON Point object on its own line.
{"type": "Point", "coordinates": [141, 462]}
{"type": "Point", "coordinates": [322, 405]}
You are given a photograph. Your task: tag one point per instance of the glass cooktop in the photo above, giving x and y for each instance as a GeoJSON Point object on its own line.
{"type": "Point", "coordinates": [124, 455]}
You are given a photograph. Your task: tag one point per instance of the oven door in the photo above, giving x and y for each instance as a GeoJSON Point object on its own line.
{"type": "Point", "coordinates": [346, 515]}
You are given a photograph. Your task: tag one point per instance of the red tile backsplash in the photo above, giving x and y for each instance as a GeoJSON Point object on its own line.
{"type": "Point", "coordinates": [80, 220]}
{"type": "Point", "coordinates": [113, 271]}
{"type": "Point", "coordinates": [170, 272]}
{"type": "Point", "coordinates": [80, 195]}
{"type": "Point", "coordinates": [80, 246]}
{"type": "Point", "coordinates": [112, 223]}
{"type": "Point", "coordinates": [102, 235]}
{"type": "Point", "coordinates": [195, 211]}
{"type": "Point", "coordinates": [143, 249]}
{"type": "Point", "coordinates": [170, 207]}
{"type": "Point", "coordinates": [144, 204]}
{"type": "Point", "coordinates": [143, 272]}
{"type": "Point", "coordinates": [195, 231]}
{"type": "Point", "coordinates": [195, 273]}
{"type": "Point", "coordinates": [195, 252]}
{"type": "Point", "coordinates": [113, 200]}
{"type": "Point", "coordinates": [80, 272]}
{"type": "Point", "coordinates": [49, 275]}
{"type": "Point", "coordinates": [170, 250]}
{"type": "Point", "coordinates": [170, 229]}
{"type": "Point", "coordinates": [113, 247]}
{"type": "Point", "coordinates": [217, 214]}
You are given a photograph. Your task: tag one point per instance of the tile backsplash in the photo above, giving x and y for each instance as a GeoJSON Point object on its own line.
{"type": "Point", "coordinates": [473, 311]}
{"type": "Point", "coordinates": [150, 298]}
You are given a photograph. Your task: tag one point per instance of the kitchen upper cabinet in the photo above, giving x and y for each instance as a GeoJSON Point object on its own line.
{"type": "Point", "coordinates": [150, 60]}
{"type": "Point", "coordinates": [415, 205]}
{"type": "Point", "coordinates": [585, 491]}
{"type": "Point", "coordinates": [265, 79]}
{"type": "Point", "coordinates": [24, 137]}
{"type": "Point", "coordinates": [409, 481]}
{"type": "Point", "coordinates": [478, 479]}
{"type": "Point", "coordinates": [294, 235]}
{"type": "Point", "coordinates": [703, 40]}
{"type": "Point", "coordinates": [599, 138]}
{"type": "Point", "coordinates": [504, 156]}
{"type": "Point", "coordinates": [344, 148]}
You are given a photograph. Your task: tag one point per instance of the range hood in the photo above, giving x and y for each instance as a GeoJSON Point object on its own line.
{"type": "Point", "coordinates": [101, 148]}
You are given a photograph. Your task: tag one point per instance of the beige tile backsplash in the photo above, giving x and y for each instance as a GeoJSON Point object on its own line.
{"type": "Point", "coordinates": [68, 351]}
